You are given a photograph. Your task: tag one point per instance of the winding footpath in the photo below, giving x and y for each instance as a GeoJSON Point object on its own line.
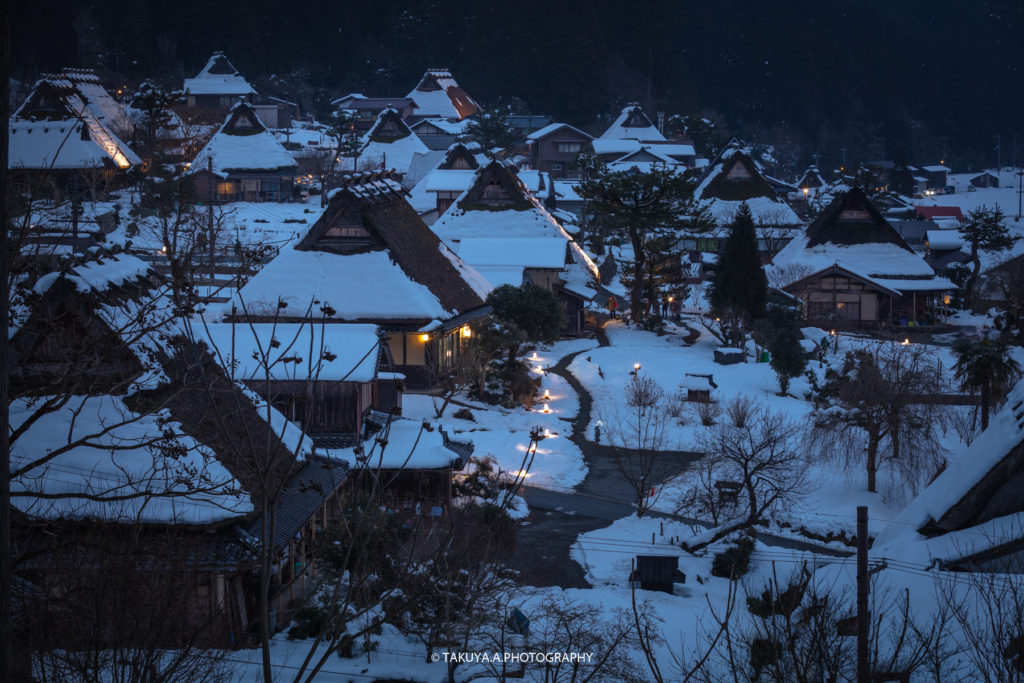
{"type": "Point", "coordinates": [558, 517]}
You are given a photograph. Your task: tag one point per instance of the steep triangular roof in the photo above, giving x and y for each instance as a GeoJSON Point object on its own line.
{"type": "Point", "coordinates": [388, 127]}
{"type": "Point", "coordinates": [633, 124]}
{"type": "Point", "coordinates": [733, 176]}
{"type": "Point", "coordinates": [71, 96]}
{"type": "Point", "coordinates": [389, 143]}
{"type": "Point", "coordinates": [463, 156]}
{"type": "Point", "coordinates": [243, 143]}
{"type": "Point", "coordinates": [154, 404]}
{"type": "Point", "coordinates": [977, 495]}
{"type": "Point", "coordinates": [497, 186]}
{"type": "Point", "coordinates": [852, 219]}
{"type": "Point", "coordinates": [371, 258]}
{"type": "Point", "coordinates": [498, 207]}
{"type": "Point", "coordinates": [811, 179]}
{"type": "Point", "coordinates": [218, 65]}
{"type": "Point", "coordinates": [218, 77]}
{"type": "Point", "coordinates": [438, 94]}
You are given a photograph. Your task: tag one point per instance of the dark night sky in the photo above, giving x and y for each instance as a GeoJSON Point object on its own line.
{"type": "Point", "coordinates": [822, 75]}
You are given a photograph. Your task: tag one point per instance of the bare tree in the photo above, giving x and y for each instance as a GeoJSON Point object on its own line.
{"type": "Point", "coordinates": [637, 436]}
{"type": "Point", "coordinates": [988, 609]}
{"type": "Point", "coordinates": [881, 403]}
{"type": "Point", "coordinates": [780, 276]}
{"type": "Point", "coordinates": [574, 627]}
{"type": "Point", "coordinates": [747, 473]}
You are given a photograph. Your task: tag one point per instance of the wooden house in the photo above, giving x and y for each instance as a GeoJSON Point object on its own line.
{"type": "Point", "coordinates": [439, 134]}
{"type": "Point", "coordinates": [389, 144]}
{"type": "Point", "coordinates": [367, 109]}
{"type": "Point", "coordinates": [321, 376]}
{"type": "Point", "coordinates": [438, 95]}
{"type": "Point", "coordinates": [370, 259]}
{"type": "Point", "coordinates": [633, 124]}
{"type": "Point", "coordinates": [554, 148]}
{"type": "Point", "coordinates": [935, 177]}
{"type": "Point", "coordinates": [218, 86]}
{"type": "Point", "coordinates": [936, 213]}
{"type": "Point", "coordinates": [811, 179]}
{"type": "Point", "coordinates": [68, 129]}
{"type": "Point", "coordinates": [148, 439]}
{"type": "Point", "coordinates": [985, 180]}
{"type": "Point", "coordinates": [510, 237]}
{"type": "Point", "coordinates": [243, 161]}
{"type": "Point", "coordinates": [453, 175]}
{"type": "Point", "coordinates": [862, 272]}
{"type": "Point", "coordinates": [734, 177]}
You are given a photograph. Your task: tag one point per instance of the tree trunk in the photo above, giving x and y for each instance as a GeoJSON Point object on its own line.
{"type": "Point", "coordinates": [972, 281]}
{"type": "Point", "coordinates": [264, 602]}
{"type": "Point", "coordinates": [986, 399]}
{"type": "Point", "coordinates": [639, 267]}
{"type": "Point", "coordinates": [872, 463]}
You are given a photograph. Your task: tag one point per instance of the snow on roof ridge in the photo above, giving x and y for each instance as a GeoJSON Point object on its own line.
{"type": "Point", "coordinates": [1004, 433]}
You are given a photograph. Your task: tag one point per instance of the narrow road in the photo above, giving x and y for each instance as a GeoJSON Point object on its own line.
{"type": "Point", "coordinates": [558, 517]}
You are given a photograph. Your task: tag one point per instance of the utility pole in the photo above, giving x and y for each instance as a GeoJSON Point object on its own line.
{"type": "Point", "coordinates": [209, 216]}
{"type": "Point", "coordinates": [1020, 191]}
{"type": "Point", "coordinates": [863, 587]}
{"type": "Point", "coordinates": [843, 151]}
{"type": "Point", "coordinates": [943, 158]}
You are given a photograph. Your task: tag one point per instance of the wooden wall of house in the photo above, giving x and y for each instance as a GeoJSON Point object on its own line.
{"type": "Point", "coordinates": [546, 152]}
{"type": "Point", "coordinates": [320, 407]}
{"type": "Point", "coordinates": [544, 277]}
{"type": "Point", "coordinates": [840, 297]}
{"type": "Point", "coordinates": [245, 187]}
{"type": "Point", "coordinates": [574, 314]}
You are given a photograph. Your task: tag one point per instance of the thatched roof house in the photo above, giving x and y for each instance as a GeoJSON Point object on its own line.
{"type": "Point", "coordinates": [70, 122]}
{"type": "Point", "coordinates": [510, 237]}
{"type": "Point", "coordinates": [371, 259]}
{"type": "Point", "coordinates": [243, 161]}
{"type": "Point", "coordinates": [734, 177]}
{"type": "Point", "coordinates": [856, 268]}
{"type": "Point", "coordinates": [438, 95]}
{"type": "Point", "coordinates": [971, 516]}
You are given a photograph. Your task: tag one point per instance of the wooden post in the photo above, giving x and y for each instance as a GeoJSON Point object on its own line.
{"type": "Point", "coordinates": [209, 213]}
{"type": "Point", "coordinates": [863, 587]}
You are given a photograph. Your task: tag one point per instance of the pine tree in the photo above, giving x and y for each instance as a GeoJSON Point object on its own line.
{"type": "Point", "coordinates": [984, 230]}
{"type": "Point", "coordinates": [492, 132]}
{"type": "Point", "coordinates": [635, 206]}
{"type": "Point", "coordinates": [788, 359]}
{"type": "Point", "coordinates": [988, 368]}
{"type": "Point", "coordinates": [740, 288]}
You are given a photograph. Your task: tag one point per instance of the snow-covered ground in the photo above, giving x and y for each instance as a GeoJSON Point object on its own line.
{"type": "Point", "coordinates": [504, 433]}
{"type": "Point", "coordinates": [667, 360]}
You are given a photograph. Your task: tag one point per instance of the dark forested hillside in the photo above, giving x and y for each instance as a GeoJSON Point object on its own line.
{"type": "Point", "coordinates": [870, 76]}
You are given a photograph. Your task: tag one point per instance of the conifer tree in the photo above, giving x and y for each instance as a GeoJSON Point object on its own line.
{"type": "Point", "coordinates": [635, 206]}
{"type": "Point", "coordinates": [984, 230]}
{"type": "Point", "coordinates": [740, 287]}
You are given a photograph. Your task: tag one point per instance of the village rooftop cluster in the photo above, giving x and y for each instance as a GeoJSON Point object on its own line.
{"type": "Point", "coordinates": [296, 396]}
